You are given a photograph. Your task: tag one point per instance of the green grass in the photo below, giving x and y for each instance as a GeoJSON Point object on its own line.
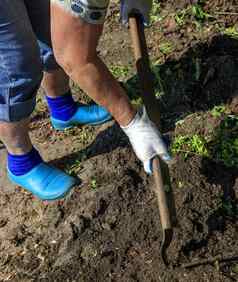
{"type": "Point", "coordinates": [199, 14]}
{"type": "Point", "coordinates": [217, 111]}
{"type": "Point", "coordinates": [235, 268]}
{"type": "Point", "coordinates": [195, 11]}
{"type": "Point", "coordinates": [223, 147]}
{"type": "Point", "coordinates": [155, 13]}
{"type": "Point", "coordinates": [119, 71]}
{"type": "Point", "coordinates": [166, 47]}
{"type": "Point", "coordinates": [73, 168]}
{"type": "Point", "coordinates": [231, 32]}
{"type": "Point", "coordinates": [180, 17]}
{"type": "Point", "coordinates": [93, 184]}
{"type": "Point", "coordinates": [190, 145]}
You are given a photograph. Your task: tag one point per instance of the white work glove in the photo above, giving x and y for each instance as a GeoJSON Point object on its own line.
{"type": "Point", "coordinates": [146, 139]}
{"type": "Point", "coordinates": [143, 7]}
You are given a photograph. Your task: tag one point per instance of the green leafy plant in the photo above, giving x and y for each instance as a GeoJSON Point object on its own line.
{"type": "Point", "coordinates": [225, 146]}
{"type": "Point", "coordinates": [155, 13]}
{"type": "Point", "coordinates": [159, 83]}
{"type": "Point", "coordinates": [196, 11]}
{"type": "Point", "coordinates": [119, 71]}
{"type": "Point", "coordinates": [235, 268]}
{"type": "Point", "coordinates": [217, 111]}
{"type": "Point", "coordinates": [199, 14]}
{"type": "Point", "coordinates": [166, 47]}
{"type": "Point", "coordinates": [93, 184]}
{"type": "Point", "coordinates": [180, 17]}
{"type": "Point", "coordinates": [190, 145]}
{"type": "Point", "coordinates": [73, 168]}
{"type": "Point", "coordinates": [231, 31]}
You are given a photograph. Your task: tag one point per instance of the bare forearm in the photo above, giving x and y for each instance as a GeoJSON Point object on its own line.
{"type": "Point", "coordinates": [95, 79]}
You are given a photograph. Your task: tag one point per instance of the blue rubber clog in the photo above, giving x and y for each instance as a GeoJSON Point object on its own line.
{"type": "Point", "coordinates": [45, 182]}
{"type": "Point", "coordinates": [86, 114]}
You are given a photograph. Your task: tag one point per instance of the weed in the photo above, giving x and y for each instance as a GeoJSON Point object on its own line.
{"type": "Point", "coordinates": [189, 145]}
{"type": "Point", "coordinates": [159, 84]}
{"type": "Point", "coordinates": [155, 13]}
{"type": "Point", "coordinates": [217, 111]}
{"type": "Point", "coordinates": [180, 17]}
{"type": "Point", "coordinates": [219, 144]}
{"type": "Point", "coordinates": [235, 268]}
{"type": "Point", "coordinates": [73, 168]}
{"type": "Point", "coordinates": [225, 146]}
{"type": "Point", "coordinates": [93, 184]}
{"type": "Point", "coordinates": [199, 14]}
{"type": "Point", "coordinates": [180, 184]}
{"type": "Point", "coordinates": [119, 71]}
{"type": "Point", "coordinates": [137, 102]}
{"type": "Point", "coordinates": [196, 11]}
{"type": "Point", "coordinates": [231, 32]}
{"type": "Point", "coordinates": [166, 47]}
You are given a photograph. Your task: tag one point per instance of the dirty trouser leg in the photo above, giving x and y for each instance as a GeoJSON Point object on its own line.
{"type": "Point", "coordinates": [20, 75]}
{"type": "Point", "coordinates": [55, 82]}
{"type": "Point", "coordinates": [20, 63]}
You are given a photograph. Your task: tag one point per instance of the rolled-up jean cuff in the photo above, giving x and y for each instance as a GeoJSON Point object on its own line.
{"type": "Point", "coordinates": [18, 111]}
{"type": "Point", "coordinates": [48, 58]}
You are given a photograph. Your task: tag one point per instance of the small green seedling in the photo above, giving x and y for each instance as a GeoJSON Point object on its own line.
{"type": "Point", "coordinates": [199, 13]}
{"type": "Point", "coordinates": [217, 111]}
{"type": "Point", "coordinates": [235, 268]}
{"type": "Point", "coordinates": [166, 47]}
{"type": "Point", "coordinates": [180, 17]}
{"type": "Point", "coordinates": [225, 148]}
{"type": "Point", "coordinates": [190, 145]}
{"type": "Point", "coordinates": [231, 32]}
{"type": "Point", "coordinates": [93, 184]}
{"type": "Point", "coordinates": [155, 13]}
{"type": "Point", "coordinates": [119, 71]}
{"type": "Point", "coordinates": [73, 168]}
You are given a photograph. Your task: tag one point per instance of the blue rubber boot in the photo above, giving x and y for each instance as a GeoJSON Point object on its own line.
{"type": "Point", "coordinates": [45, 182]}
{"type": "Point", "coordinates": [86, 114]}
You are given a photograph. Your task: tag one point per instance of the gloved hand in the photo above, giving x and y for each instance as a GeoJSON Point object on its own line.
{"type": "Point", "coordinates": [143, 7]}
{"type": "Point", "coordinates": [146, 139]}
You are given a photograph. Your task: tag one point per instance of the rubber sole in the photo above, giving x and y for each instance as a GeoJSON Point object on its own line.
{"type": "Point", "coordinates": [78, 124]}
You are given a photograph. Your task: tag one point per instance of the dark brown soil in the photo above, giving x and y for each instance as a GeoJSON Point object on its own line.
{"type": "Point", "coordinates": [109, 228]}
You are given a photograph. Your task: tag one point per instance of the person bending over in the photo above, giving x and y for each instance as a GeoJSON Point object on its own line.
{"type": "Point", "coordinates": [47, 42]}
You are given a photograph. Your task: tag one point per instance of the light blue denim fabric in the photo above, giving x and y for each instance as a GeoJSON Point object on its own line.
{"type": "Point", "coordinates": [25, 51]}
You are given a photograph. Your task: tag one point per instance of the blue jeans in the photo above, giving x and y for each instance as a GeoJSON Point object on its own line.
{"type": "Point", "coordinates": [25, 52]}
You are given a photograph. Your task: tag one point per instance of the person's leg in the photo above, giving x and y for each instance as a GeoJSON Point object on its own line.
{"type": "Point", "coordinates": [74, 43]}
{"type": "Point", "coordinates": [64, 111]}
{"type": "Point", "coordinates": [20, 77]}
{"type": "Point", "coordinates": [17, 87]}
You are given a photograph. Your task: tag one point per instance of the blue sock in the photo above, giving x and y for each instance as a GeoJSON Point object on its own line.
{"type": "Point", "coordinates": [20, 165]}
{"type": "Point", "coordinates": [62, 107]}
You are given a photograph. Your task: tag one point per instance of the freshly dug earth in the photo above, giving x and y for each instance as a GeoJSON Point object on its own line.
{"type": "Point", "coordinates": [108, 229]}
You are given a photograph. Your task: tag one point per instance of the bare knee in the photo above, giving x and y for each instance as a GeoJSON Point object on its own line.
{"type": "Point", "coordinates": [76, 63]}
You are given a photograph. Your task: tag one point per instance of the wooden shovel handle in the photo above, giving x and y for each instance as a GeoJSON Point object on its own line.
{"type": "Point", "coordinates": [151, 104]}
{"type": "Point", "coordinates": [161, 195]}
{"type": "Point", "coordinates": [143, 68]}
